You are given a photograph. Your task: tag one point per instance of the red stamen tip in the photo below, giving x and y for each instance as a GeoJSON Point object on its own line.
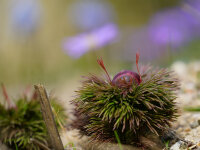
{"type": "Point", "coordinates": [100, 62]}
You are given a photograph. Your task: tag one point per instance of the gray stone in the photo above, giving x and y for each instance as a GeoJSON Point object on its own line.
{"type": "Point", "coordinates": [194, 124]}
{"type": "Point", "coordinates": [180, 145]}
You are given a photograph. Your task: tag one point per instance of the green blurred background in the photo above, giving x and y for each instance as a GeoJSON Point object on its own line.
{"type": "Point", "coordinates": [38, 57]}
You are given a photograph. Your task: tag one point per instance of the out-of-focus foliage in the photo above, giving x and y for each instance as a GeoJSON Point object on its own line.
{"type": "Point", "coordinates": [21, 124]}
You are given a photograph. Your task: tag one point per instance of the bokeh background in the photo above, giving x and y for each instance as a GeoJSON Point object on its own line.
{"type": "Point", "coordinates": [56, 42]}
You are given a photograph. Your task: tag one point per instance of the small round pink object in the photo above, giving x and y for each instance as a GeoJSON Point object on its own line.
{"type": "Point", "coordinates": [126, 78]}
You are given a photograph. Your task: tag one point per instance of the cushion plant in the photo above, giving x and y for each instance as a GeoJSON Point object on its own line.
{"type": "Point", "coordinates": [21, 123]}
{"type": "Point", "coordinates": [131, 104]}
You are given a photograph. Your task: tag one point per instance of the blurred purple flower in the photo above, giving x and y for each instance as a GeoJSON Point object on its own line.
{"type": "Point", "coordinates": [176, 26]}
{"type": "Point", "coordinates": [90, 14]}
{"type": "Point", "coordinates": [171, 27]}
{"type": "Point", "coordinates": [25, 15]}
{"type": "Point", "coordinates": [167, 31]}
{"type": "Point", "coordinates": [82, 43]}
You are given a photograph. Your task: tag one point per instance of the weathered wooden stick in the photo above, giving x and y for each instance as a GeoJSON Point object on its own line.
{"type": "Point", "coordinates": [49, 118]}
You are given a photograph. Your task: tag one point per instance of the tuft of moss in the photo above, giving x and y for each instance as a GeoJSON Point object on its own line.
{"type": "Point", "coordinates": [102, 108]}
{"type": "Point", "coordinates": [21, 124]}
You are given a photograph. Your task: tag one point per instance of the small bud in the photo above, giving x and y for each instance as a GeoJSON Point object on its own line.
{"type": "Point", "coordinates": [128, 78]}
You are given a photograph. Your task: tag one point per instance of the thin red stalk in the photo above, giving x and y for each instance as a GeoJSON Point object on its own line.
{"type": "Point", "coordinates": [100, 62]}
{"type": "Point", "coordinates": [5, 94]}
{"type": "Point", "coordinates": [137, 59]}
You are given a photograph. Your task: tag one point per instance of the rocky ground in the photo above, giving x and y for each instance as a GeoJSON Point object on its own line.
{"type": "Point", "coordinates": [188, 123]}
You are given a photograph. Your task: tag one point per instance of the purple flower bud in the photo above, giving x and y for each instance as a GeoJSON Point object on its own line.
{"type": "Point", "coordinates": [126, 78]}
